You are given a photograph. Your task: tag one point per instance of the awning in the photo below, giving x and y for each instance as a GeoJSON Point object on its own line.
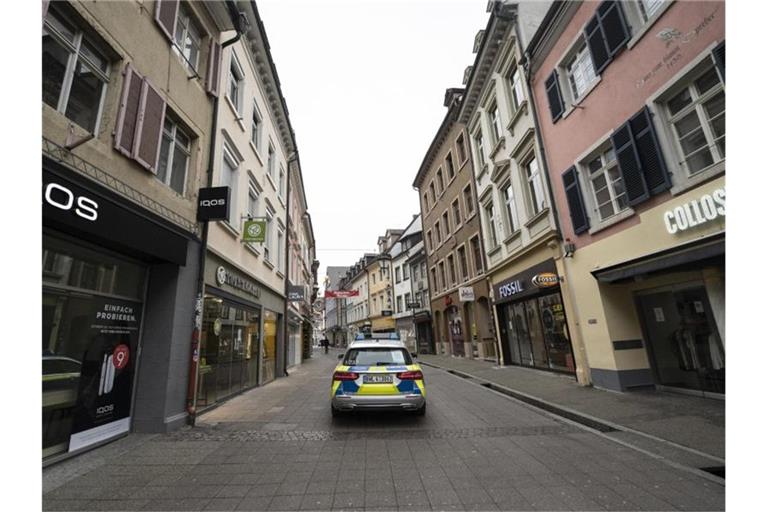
{"type": "Point", "coordinates": [682, 257]}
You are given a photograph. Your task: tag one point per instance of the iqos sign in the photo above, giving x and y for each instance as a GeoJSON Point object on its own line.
{"type": "Point", "coordinates": [63, 198]}
{"type": "Point", "coordinates": [694, 213]}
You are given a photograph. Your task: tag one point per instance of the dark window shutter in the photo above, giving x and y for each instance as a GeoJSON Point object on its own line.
{"type": "Point", "coordinates": [614, 25]}
{"type": "Point", "coordinates": [594, 36]}
{"type": "Point", "coordinates": [629, 165]}
{"type": "Point", "coordinates": [719, 55]}
{"type": "Point", "coordinates": [556, 106]}
{"type": "Point", "coordinates": [212, 78]}
{"type": "Point", "coordinates": [127, 116]}
{"type": "Point", "coordinates": [165, 16]}
{"type": "Point", "coordinates": [649, 152]}
{"type": "Point", "coordinates": [150, 127]}
{"type": "Point", "coordinates": [579, 217]}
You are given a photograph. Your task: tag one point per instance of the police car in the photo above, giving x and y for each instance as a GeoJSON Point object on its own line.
{"type": "Point", "coordinates": [378, 372]}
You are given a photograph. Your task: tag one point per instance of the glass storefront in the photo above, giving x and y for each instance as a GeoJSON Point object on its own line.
{"type": "Point", "coordinates": [455, 330]}
{"type": "Point", "coordinates": [92, 307]}
{"type": "Point", "coordinates": [229, 344]}
{"type": "Point", "coordinates": [536, 333]}
{"type": "Point", "coordinates": [269, 347]}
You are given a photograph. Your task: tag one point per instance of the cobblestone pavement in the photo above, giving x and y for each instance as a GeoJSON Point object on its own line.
{"type": "Point", "coordinates": [278, 448]}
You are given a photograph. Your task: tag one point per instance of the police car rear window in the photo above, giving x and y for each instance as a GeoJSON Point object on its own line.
{"type": "Point", "coordinates": [377, 356]}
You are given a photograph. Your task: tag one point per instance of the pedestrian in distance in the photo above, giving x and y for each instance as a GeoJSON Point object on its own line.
{"type": "Point", "coordinates": [324, 343]}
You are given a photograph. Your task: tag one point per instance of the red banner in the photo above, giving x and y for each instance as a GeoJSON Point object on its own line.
{"type": "Point", "coordinates": [341, 294]}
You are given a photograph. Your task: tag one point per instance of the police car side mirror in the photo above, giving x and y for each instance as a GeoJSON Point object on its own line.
{"type": "Point", "coordinates": [414, 355]}
{"type": "Point", "coordinates": [341, 356]}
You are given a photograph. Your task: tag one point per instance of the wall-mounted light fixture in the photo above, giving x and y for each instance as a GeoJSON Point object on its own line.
{"type": "Point", "coordinates": [570, 248]}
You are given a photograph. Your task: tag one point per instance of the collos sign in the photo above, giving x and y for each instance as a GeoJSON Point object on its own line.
{"type": "Point", "coordinates": [694, 213]}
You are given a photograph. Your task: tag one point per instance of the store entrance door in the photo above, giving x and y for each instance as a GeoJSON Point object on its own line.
{"type": "Point", "coordinates": [456, 331]}
{"type": "Point", "coordinates": [683, 339]}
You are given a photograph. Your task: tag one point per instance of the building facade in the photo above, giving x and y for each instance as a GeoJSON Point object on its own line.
{"type": "Point", "coordinates": [404, 299]}
{"type": "Point", "coordinates": [127, 115]}
{"type": "Point", "coordinates": [461, 317]}
{"type": "Point", "coordinates": [334, 311]}
{"type": "Point", "coordinates": [520, 232]}
{"type": "Point", "coordinates": [417, 263]}
{"type": "Point", "coordinates": [631, 106]}
{"type": "Point", "coordinates": [356, 307]}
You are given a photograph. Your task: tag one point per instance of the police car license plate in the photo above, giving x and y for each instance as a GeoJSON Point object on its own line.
{"type": "Point", "coordinates": [377, 379]}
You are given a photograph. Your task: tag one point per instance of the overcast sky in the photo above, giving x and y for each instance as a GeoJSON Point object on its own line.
{"type": "Point", "coordinates": [364, 81]}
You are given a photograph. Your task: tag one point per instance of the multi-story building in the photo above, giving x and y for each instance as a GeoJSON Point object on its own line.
{"type": "Point", "coordinates": [461, 314]}
{"type": "Point", "coordinates": [404, 298]}
{"type": "Point", "coordinates": [416, 261]}
{"type": "Point", "coordinates": [356, 307]}
{"type": "Point", "coordinates": [127, 115]}
{"type": "Point", "coordinates": [333, 308]}
{"type": "Point", "coordinates": [379, 271]}
{"type": "Point", "coordinates": [631, 100]}
{"type": "Point", "coordinates": [519, 225]}
{"type": "Point", "coordinates": [243, 339]}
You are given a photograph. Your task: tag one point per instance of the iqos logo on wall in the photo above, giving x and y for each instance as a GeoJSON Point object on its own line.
{"type": "Point", "coordinates": [63, 198]}
{"type": "Point", "coordinates": [699, 211]}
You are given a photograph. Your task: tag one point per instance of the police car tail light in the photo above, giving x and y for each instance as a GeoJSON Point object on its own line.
{"type": "Point", "coordinates": [345, 376]}
{"type": "Point", "coordinates": [416, 375]}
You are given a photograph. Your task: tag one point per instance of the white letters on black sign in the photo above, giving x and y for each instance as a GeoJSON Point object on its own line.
{"type": "Point", "coordinates": [62, 198]}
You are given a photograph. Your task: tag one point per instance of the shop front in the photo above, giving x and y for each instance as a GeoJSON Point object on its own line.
{"type": "Point", "coordinates": [462, 322]}
{"type": "Point", "coordinates": [96, 307]}
{"type": "Point", "coordinates": [239, 336]}
{"type": "Point", "coordinates": [424, 338]}
{"type": "Point", "coordinates": [532, 321]}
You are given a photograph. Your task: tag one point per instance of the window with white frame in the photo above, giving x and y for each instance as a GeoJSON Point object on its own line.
{"type": "Point", "coordinates": [508, 194]}
{"type": "Point", "coordinates": [463, 263]}
{"type": "Point", "coordinates": [649, 7]}
{"type": "Point", "coordinates": [407, 298]}
{"type": "Point", "coordinates": [281, 183]}
{"type": "Point", "coordinates": [461, 148]}
{"type": "Point", "coordinates": [451, 269]}
{"type": "Point", "coordinates": [229, 179]}
{"type": "Point", "coordinates": [474, 242]}
{"type": "Point", "coordinates": [441, 272]}
{"type": "Point", "coordinates": [175, 151]}
{"type": "Point", "coordinates": [438, 237]}
{"type": "Point", "coordinates": [456, 213]}
{"type": "Point", "coordinates": [235, 85]}
{"type": "Point", "coordinates": [253, 201]}
{"type": "Point", "coordinates": [536, 195]}
{"type": "Point", "coordinates": [449, 166]}
{"type": "Point", "coordinates": [397, 275]}
{"type": "Point", "coordinates": [490, 217]}
{"type": "Point", "coordinates": [440, 182]}
{"type": "Point", "coordinates": [268, 248]}
{"type": "Point", "coordinates": [607, 185]}
{"type": "Point", "coordinates": [446, 225]}
{"type": "Point", "coordinates": [271, 162]}
{"type": "Point", "coordinates": [479, 149]}
{"type": "Point", "coordinates": [256, 126]}
{"type": "Point", "coordinates": [516, 87]}
{"type": "Point", "coordinates": [432, 191]}
{"type": "Point", "coordinates": [75, 74]}
{"type": "Point", "coordinates": [280, 249]}
{"type": "Point", "coordinates": [469, 201]}
{"type": "Point", "coordinates": [187, 38]}
{"type": "Point", "coordinates": [406, 273]}
{"type": "Point", "coordinates": [697, 117]}
{"type": "Point", "coordinates": [581, 73]}
{"type": "Point", "coordinates": [399, 303]}
{"type": "Point", "coordinates": [495, 121]}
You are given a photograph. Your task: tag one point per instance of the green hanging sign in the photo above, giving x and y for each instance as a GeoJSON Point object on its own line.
{"type": "Point", "coordinates": [255, 230]}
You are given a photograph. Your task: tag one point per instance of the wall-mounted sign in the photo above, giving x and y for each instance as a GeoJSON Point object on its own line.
{"type": "Point", "coordinates": [413, 305]}
{"type": "Point", "coordinates": [545, 280]}
{"type": "Point", "coordinates": [224, 276]}
{"type": "Point", "coordinates": [699, 211]}
{"type": "Point", "coordinates": [386, 312]}
{"type": "Point", "coordinates": [341, 294]}
{"type": "Point", "coordinates": [213, 203]}
{"type": "Point", "coordinates": [510, 288]}
{"type": "Point", "coordinates": [255, 230]}
{"type": "Point", "coordinates": [295, 293]}
{"type": "Point", "coordinates": [466, 294]}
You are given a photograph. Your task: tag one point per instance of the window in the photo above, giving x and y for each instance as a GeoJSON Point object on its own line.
{"type": "Point", "coordinates": [434, 279]}
{"type": "Point", "coordinates": [397, 274]}
{"type": "Point", "coordinates": [469, 203]}
{"type": "Point", "coordinates": [253, 201]}
{"type": "Point", "coordinates": [407, 299]}
{"type": "Point", "coordinates": [270, 214]}
{"type": "Point", "coordinates": [280, 249]}
{"type": "Point", "coordinates": [174, 156]}
{"type": "Point", "coordinates": [406, 273]}
{"type": "Point", "coordinates": [461, 148]}
{"type": "Point", "coordinates": [479, 150]}
{"type": "Point", "coordinates": [430, 243]}
{"type": "Point", "coordinates": [399, 303]}
{"type": "Point", "coordinates": [535, 186]}
{"type": "Point", "coordinates": [271, 162]}
{"type": "Point", "coordinates": [446, 225]}
{"type": "Point", "coordinates": [516, 86]}
{"type": "Point", "coordinates": [426, 202]}
{"type": "Point", "coordinates": [437, 232]}
{"type": "Point", "coordinates": [441, 273]}
{"type": "Point", "coordinates": [75, 74]}
{"type": "Point", "coordinates": [477, 255]}
{"type": "Point", "coordinates": [187, 38]}
{"type": "Point", "coordinates": [580, 72]}
{"type": "Point", "coordinates": [432, 191]}
{"type": "Point", "coordinates": [509, 204]}
{"type": "Point", "coordinates": [281, 183]}
{"type": "Point", "coordinates": [607, 185]}
{"type": "Point", "coordinates": [449, 166]}
{"type": "Point", "coordinates": [490, 217]}
{"type": "Point", "coordinates": [495, 122]}
{"type": "Point", "coordinates": [256, 123]}
{"type": "Point", "coordinates": [229, 179]}
{"type": "Point", "coordinates": [416, 272]}
{"type": "Point", "coordinates": [697, 116]}
{"type": "Point", "coordinates": [456, 213]}
{"type": "Point", "coordinates": [649, 7]}
{"type": "Point", "coordinates": [235, 88]}
{"type": "Point", "coordinates": [451, 269]}
{"type": "Point", "coordinates": [374, 278]}
{"type": "Point", "coordinates": [463, 263]}
{"type": "Point", "coordinates": [440, 183]}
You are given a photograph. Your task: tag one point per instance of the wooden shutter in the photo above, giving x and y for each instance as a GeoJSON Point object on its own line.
{"type": "Point", "coordinates": [579, 217]}
{"type": "Point", "coordinates": [718, 54]}
{"type": "Point", "coordinates": [614, 25]}
{"type": "Point", "coordinates": [212, 77]}
{"type": "Point", "coordinates": [127, 116]}
{"type": "Point", "coordinates": [597, 49]}
{"type": "Point", "coordinates": [629, 164]}
{"type": "Point", "coordinates": [649, 152]}
{"type": "Point", "coordinates": [165, 16]}
{"type": "Point", "coordinates": [149, 128]}
{"type": "Point", "coordinates": [556, 106]}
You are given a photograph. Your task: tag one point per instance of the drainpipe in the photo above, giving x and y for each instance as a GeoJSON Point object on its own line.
{"type": "Point", "coordinates": [194, 362]}
{"type": "Point", "coordinates": [292, 158]}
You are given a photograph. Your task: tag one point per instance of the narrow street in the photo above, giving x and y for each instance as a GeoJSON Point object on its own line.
{"type": "Point", "coordinates": [277, 448]}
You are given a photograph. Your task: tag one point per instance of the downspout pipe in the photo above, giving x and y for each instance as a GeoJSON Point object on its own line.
{"type": "Point", "coordinates": [194, 362]}
{"type": "Point", "coordinates": [293, 159]}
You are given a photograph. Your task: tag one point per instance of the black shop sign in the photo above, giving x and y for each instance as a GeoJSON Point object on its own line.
{"type": "Point", "coordinates": [532, 281]}
{"type": "Point", "coordinates": [213, 203]}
